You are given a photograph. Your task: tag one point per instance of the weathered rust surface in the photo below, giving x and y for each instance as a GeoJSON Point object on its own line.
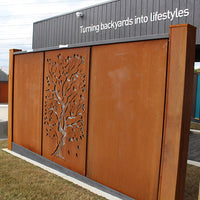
{"type": "Point", "coordinates": [3, 92]}
{"type": "Point", "coordinates": [126, 109]}
{"type": "Point", "coordinates": [10, 97]}
{"type": "Point", "coordinates": [139, 111]}
{"type": "Point", "coordinates": [178, 111]}
{"type": "Point", "coordinates": [65, 107]}
{"type": "Point", "coordinates": [27, 103]}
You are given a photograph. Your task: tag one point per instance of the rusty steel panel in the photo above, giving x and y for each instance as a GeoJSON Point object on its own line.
{"type": "Point", "coordinates": [10, 94]}
{"type": "Point", "coordinates": [65, 107]}
{"type": "Point", "coordinates": [3, 92]}
{"type": "Point", "coordinates": [127, 101]}
{"type": "Point", "coordinates": [27, 103]}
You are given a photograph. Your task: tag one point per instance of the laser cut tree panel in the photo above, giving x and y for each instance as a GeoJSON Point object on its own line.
{"type": "Point", "coordinates": [65, 107]}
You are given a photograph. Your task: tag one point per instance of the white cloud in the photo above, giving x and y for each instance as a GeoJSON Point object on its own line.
{"type": "Point", "coordinates": [197, 65]}
{"type": "Point", "coordinates": [17, 17]}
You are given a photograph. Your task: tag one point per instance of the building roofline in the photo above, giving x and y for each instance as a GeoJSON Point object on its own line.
{"type": "Point", "coordinates": [74, 11]}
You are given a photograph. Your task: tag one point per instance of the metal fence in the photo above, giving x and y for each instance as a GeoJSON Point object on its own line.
{"type": "Point", "coordinates": [116, 113]}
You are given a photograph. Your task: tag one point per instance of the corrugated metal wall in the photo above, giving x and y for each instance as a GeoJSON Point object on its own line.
{"type": "Point", "coordinates": [65, 29]}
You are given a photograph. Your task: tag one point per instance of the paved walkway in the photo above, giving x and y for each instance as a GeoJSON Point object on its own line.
{"type": "Point", "coordinates": [194, 147]}
{"type": "Point", "coordinates": [3, 121]}
{"type": "Point", "coordinates": [3, 112]}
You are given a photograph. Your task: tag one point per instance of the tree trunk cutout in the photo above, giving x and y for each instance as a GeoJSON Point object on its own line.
{"type": "Point", "coordinates": [64, 107]}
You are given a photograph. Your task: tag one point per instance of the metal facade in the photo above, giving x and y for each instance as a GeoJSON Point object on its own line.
{"type": "Point", "coordinates": [66, 29]}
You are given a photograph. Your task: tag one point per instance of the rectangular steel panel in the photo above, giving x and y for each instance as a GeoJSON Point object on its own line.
{"type": "Point", "coordinates": [10, 99]}
{"type": "Point", "coordinates": [127, 95]}
{"type": "Point", "coordinates": [66, 80]}
{"type": "Point", "coordinates": [27, 103]}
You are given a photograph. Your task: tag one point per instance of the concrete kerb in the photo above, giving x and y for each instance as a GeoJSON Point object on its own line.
{"type": "Point", "coordinates": [71, 176]}
{"type": "Point", "coordinates": [194, 131]}
{"type": "Point", "coordinates": [194, 163]}
{"type": "Point", "coordinates": [73, 179]}
{"type": "Point", "coordinates": [2, 139]}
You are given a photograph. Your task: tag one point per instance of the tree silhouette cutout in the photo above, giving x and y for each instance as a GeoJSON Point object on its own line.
{"type": "Point", "coordinates": [64, 107]}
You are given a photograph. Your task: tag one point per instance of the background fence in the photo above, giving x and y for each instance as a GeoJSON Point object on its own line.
{"type": "Point", "coordinates": [3, 92]}
{"type": "Point", "coordinates": [196, 97]}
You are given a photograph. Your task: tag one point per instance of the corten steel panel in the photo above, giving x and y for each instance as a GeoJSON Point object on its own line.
{"type": "Point", "coordinates": [27, 103]}
{"type": "Point", "coordinates": [65, 107]}
{"type": "Point", "coordinates": [126, 109]}
{"type": "Point", "coordinates": [3, 92]}
{"type": "Point", "coordinates": [10, 97]}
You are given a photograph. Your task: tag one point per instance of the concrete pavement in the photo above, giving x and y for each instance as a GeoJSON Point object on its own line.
{"type": "Point", "coordinates": [194, 147]}
{"type": "Point", "coordinates": [3, 112]}
{"type": "Point", "coordinates": [3, 121]}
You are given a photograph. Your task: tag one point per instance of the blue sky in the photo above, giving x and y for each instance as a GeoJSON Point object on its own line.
{"type": "Point", "coordinates": [17, 17]}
